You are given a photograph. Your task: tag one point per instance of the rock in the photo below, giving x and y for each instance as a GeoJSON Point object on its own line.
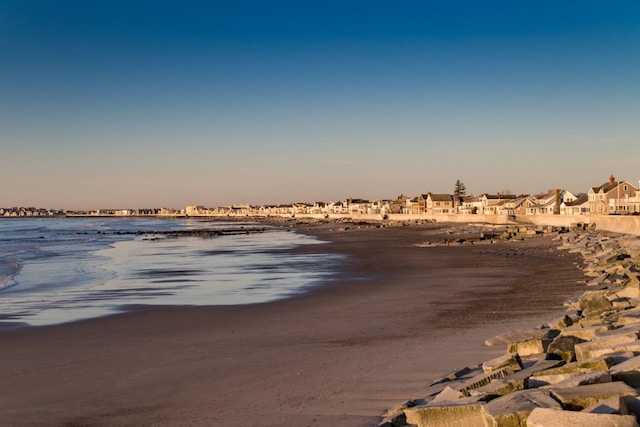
{"type": "Point", "coordinates": [509, 361]}
{"type": "Point", "coordinates": [627, 371]}
{"type": "Point", "coordinates": [584, 333]}
{"type": "Point", "coordinates": [520, 379]}
{"type": "Point", "coordinates": [632, 406]}
{"type": "Point", "coordinates": [496, 388]}
{"type": "Point", "coordinates": [513, 409]}
{"type": "Point", "coordinates": [598, 280]}
{"type": "Point", "coordinates": [626, 329]}
{"type": "Point", "coordinates": [592, 365]}
{"type": "Point", "coordinates": [585, 350]}
{"type": "Point", "coordinates": [563, 347]}
{"type": "Point", "coordinates": [447, 394]}
{"type": "Point", "coordinates": [562, 323]}
{"type": "Point", "coordinates": [628, 317]}
{"type": "Point", "coordinates": [593, 303]}
{"type": "Point", "coordinates": [528, 348]}
{"type": "Point", "coordinates": [483, 379]}
{"type": "Point", "coordinates": [587, 322]}
{"type": "Point", "coordinates": [545, 417]}
{"type": "Point", "coordinates": [462, 414]}
{"type": "Point", "coordinates": [461, 373]}
{"type": "Point", "coordinates": [519, 335]}
{"type": "Point", "coordinates": [570, 380]}
{"type": "Point", "coordinates": [396, 417]}
{"type": "Point", "coordinates": [612, 405]}
{"type": "Point", "coordinates": [594, 350]}
{"type": "Point", "coordinates": [578, 398]}
{"type": "Point", "coordinates": [630, 291]}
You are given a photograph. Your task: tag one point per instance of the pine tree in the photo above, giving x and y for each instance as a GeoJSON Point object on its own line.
{"type": "Point", "coordinates": [459, 191]}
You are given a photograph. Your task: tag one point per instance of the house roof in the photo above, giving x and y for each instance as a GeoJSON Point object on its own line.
{"type": "Point", "coordinates": [604, 188]}
{"type": "Point", "coordinates": [544, 204]}
{"type": "Point", "coordinates": [517, 202]}
{"type": "Point", "coordinates": [550, 195]}
{"type": "Point", "coordinates": [470, 199]}
{"type": "Point", "coordinates": [501, 196]}
{"type": "Point", "coordinates": [441, 197]}
{"type": "Point", "coordinates": [582, 198]}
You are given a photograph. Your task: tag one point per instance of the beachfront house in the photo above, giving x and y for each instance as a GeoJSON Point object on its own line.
{"type": "Point", "coordinates": [612, 197]}
{"type": "Point", "coordinates": [517, 206]}
{"type": "Point", "coordinates": [579, 206]}
{"type": "Point", "coordinates": [634, 201]}
{"type": "Point", "coordinates": [401, 205]}
{"type": "Point", "coordinates": [422, 203]}
{"type": "Point", "coordinates": [439, 204]}
{"type": "Point", "coordinates": [336, 208]}
{"type": "Point", "coordinates": [415, 206]}
{"type": "Point", "coordinates": [357, 206]}
{"type": "Point", "coordinates": [377, 207]}
{"type": "Point", "coordinates": [318, 208]}
{"type": "Point", "coordinates": [492, 204]}
{"type": "Point", "coordinates": [549, 203]}
{"type": "Point", "coordinates": [470, 205]}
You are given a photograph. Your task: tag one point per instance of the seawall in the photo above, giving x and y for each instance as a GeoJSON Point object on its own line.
{"type": "Point", "coordinates": [627, 224]}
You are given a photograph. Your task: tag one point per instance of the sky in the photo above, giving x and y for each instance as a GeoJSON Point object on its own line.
{"type": "Point", "coordinates": [134, 104]}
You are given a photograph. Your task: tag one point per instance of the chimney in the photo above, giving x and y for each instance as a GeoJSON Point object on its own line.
{"type": "Point", "coordinates": [612, 179]}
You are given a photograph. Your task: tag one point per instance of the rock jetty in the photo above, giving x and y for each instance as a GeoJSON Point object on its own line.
{"type": "Point", "coordinates": [581, 369]}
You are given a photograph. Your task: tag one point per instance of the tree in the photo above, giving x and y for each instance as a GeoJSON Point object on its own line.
{"type": "Point", "coordinates": [459, 191]}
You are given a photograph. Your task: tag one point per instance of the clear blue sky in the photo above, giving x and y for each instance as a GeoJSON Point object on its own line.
{"type": "Point", "coordinates": [113, 104]}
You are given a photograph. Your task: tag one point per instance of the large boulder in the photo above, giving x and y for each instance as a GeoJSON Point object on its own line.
{"type": "Point", "coordinates": [525, 342]}
{"type": "Point", "coordinates": [496, 388]}
{"type": "Point", "coordinates": [513, 409]}
{"type": "Point", "coordinates": [584, 333]}
{"type": "Point", "coordinates": [447, 414]}
{"type": "Point", "coordinates": [563, 346]}
{"type": "Point", "coordinates": [545, 417]}
{"type": "Point", "coordinates": [612, 405]}
{"type": "Point", "coordinates": [578, 398]}
{"type": "Point", "coordinates": [627, 371]}
{"type": "Point", "coordinates": [594, 350]}
{"type": "Point", "coordinates": [509, 361]}
{"type": "Point", "coordinates": [518, 335]}
{"type": "Point", "coordinates": [594, 303]}
{"type": "Point", "coordinates": [483, 379]}
{"type": "Point", "coordinates": [520, 379]}
{"type": "Point", "coordinates": [570, 380]}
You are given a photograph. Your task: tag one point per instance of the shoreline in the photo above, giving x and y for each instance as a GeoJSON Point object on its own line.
{"type": "Point", "coordinates": [395, 317]}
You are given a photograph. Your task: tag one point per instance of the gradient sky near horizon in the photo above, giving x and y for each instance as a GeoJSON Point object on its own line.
{"type": "Point", "coordinates": [114, 104]}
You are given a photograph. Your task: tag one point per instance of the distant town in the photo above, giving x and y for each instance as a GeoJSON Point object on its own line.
{"type": "Point", "coordinates": [609, 198]}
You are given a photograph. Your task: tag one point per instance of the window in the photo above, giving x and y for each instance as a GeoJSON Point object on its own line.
{"type": "Point", "coordinates": [624, 187]}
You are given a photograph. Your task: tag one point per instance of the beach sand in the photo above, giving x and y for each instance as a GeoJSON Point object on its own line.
{"type": "Point", "coordinates": [394, 318]}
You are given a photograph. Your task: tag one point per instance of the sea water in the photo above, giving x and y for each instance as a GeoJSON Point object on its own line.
{"type": "Point", "coordinates": [56, 270]}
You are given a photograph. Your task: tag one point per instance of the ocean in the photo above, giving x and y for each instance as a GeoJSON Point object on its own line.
{"type": "Point", "coordinates": [57, 270]}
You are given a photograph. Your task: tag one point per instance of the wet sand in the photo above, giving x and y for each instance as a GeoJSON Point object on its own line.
{"type": "Point", "coordinates": [394, 318]}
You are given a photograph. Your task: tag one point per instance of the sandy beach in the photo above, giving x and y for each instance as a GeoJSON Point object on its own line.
{"type": "Point", "coordinates": [395, 317]}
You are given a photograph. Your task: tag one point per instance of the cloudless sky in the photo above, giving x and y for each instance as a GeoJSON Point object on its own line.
{"type": "Point", "coordinates": [131, 104]}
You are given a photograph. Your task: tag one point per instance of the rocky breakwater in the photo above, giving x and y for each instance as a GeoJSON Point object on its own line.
{"type": "Point", "coordinates": [582, 369]}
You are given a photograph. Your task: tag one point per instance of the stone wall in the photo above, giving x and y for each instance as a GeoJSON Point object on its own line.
{"type": "Point", "coordinates": [627, 224]}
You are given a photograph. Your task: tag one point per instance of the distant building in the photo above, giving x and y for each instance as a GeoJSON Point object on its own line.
{"type": "Point", "coordinates": [439, 204]}
{"type": "Point", "coordinates": [579, 206]}
{"type": "Point", "coordinates": [612, 197]}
